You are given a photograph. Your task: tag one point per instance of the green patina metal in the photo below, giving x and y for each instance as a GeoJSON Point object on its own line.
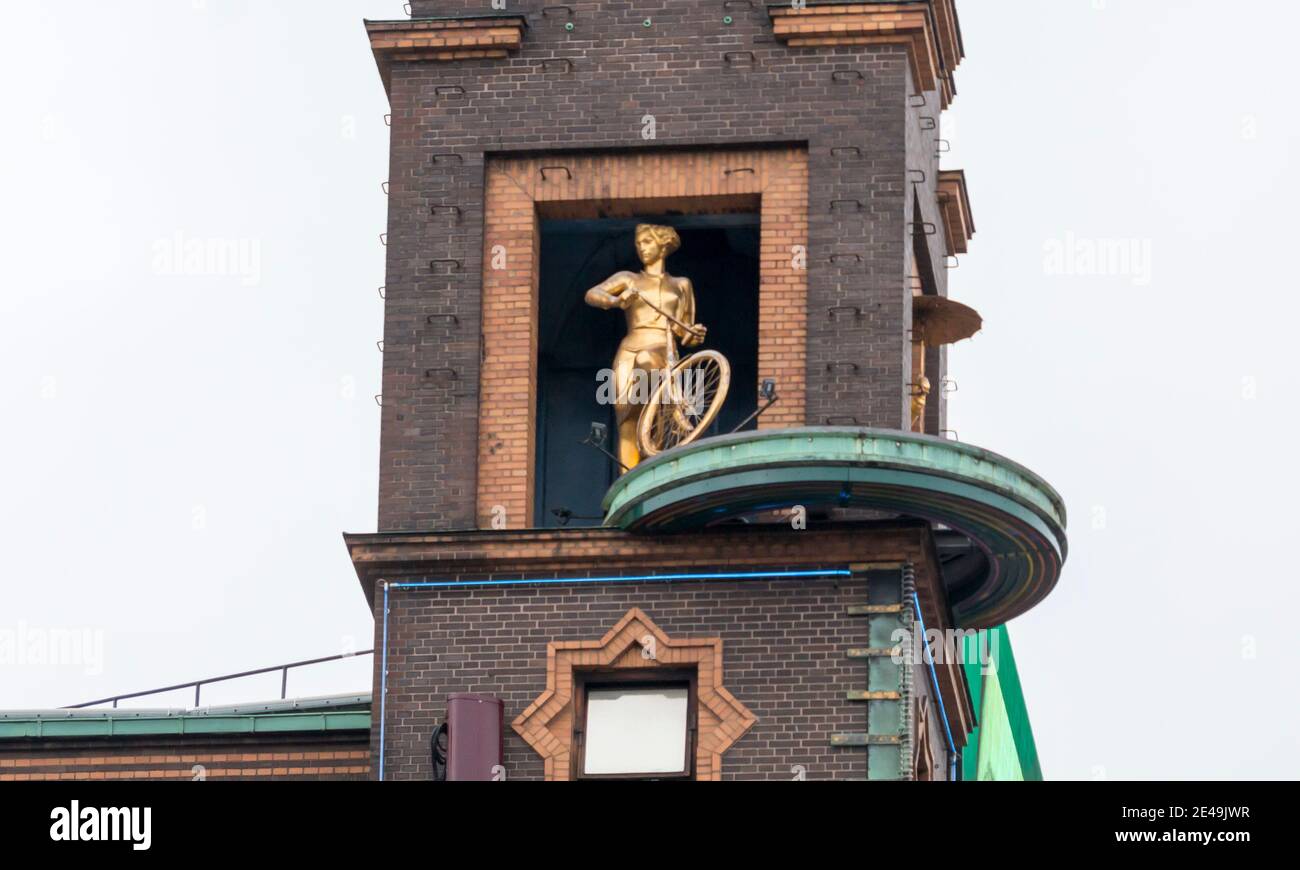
{"type": "Point", "coordinates": [848, 447]}
{"type": "Point", "coordinates": [888, 688]}
{"type": "Point", "coordinates": [1012, 514]}
{"type": "Point", "coordinates": [1002, 745]}
{"type": "Point", "coordinates": [189, 724]}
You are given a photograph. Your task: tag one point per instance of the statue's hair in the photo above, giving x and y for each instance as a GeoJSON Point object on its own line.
{"type": "Point", "coordinates": [665, 236]}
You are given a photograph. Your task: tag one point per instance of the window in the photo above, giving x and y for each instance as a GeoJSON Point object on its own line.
{"type": "Point", "coordinates": [635, 725]}
{"type": "Point", "coordinates": [922, 754]}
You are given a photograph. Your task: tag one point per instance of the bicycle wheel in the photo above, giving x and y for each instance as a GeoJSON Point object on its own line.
{"type": "Point", "coordinates": [685, 404]}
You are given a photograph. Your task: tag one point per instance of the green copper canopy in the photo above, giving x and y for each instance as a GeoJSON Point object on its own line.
{"type": "Point", "coordinates": [1003, 508]}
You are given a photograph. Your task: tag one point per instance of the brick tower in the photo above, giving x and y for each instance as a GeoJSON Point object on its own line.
{"type": "Point", "coordinates": [753, 593]}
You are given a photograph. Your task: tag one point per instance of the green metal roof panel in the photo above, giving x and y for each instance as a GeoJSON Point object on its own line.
{"type": "Point", "coordinates": [132, 727]}
{"type": "Point", "coordinates": [1013, 696]}
{"type": "Point", "coordinates": [218, 725]}
{"type": "Point", "coordinates": [185, 725]}
{"type": "Point", "coordinates": [1013, 723]}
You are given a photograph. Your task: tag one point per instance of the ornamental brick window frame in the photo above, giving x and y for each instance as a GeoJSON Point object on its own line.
{"type": "Point", "coordinates": [637, 646]}
{"type": "Point", "coordinates": [521, 190]}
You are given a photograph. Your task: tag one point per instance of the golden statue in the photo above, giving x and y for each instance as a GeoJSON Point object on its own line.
{"type": "Point", "coordinates": [920, 388]}
{"type": "Point", "coordinates": [660, 402]}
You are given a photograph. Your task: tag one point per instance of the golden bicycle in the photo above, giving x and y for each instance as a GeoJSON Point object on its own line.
{"type": "Point", "coordinates": [686, 396]}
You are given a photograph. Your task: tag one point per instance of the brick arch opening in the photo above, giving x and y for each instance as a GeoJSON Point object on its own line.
{"type": "Point", "coordinates": [521, 191]}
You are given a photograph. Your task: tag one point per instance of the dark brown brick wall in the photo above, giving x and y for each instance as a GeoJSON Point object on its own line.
{"type": "Point", "coordinates": [621, 71]}
{"type": "Point", "coordinates": [784, 657]}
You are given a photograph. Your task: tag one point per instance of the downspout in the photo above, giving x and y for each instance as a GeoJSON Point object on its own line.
{"type": "Point", "coordinates": [938, 696]}
{"type": "Point", "coordinates": [383, 684]}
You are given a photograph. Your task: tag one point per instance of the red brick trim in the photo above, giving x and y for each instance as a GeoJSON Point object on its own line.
{"type": "Point", "coordinates": [954, 205]}
{"type": "Point", "coordinates": [547, 724]}
{"type": "Point", "coordinates": [178, 760]}
{"type": "Point", "coordinates": [701, 181]}
{"type": "Point", "coordinates": [931, 39]}
{"type": "Point", "coordinates": [443, 40]}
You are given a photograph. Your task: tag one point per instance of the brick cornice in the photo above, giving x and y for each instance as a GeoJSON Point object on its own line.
{"type": "Point", "coordinates": [949, 32]}
{"type": "Point", "coordinates": [926, 28]}
{"type": "Point", "coordinates": [443, 39]}
{"type": "Point", "coordinates": [536, 552]}
{"type": "Point", "coordinates": [954, 206]}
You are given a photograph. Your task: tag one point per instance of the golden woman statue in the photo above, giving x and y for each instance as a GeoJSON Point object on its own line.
{"type": "Point", "coordinates": [659, 308]}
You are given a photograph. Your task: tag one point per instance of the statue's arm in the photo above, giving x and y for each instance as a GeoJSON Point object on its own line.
{"type": "Point", "coordinates": [686, 314]}
{"type": "Point", "coordinates": [609, 293]}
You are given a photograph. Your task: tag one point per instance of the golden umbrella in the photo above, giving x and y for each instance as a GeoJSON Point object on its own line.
{"type": "Point", "coordinates": [937, 320]}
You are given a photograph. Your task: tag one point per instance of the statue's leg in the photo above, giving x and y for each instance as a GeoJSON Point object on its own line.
{"type": "Point", "coordinates": [627, 413]}
{"type": "Point", "coordinates": [648, 370]}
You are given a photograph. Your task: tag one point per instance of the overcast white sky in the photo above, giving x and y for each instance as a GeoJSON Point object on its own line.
{"type": "Point", "coordinates": [180, 452]}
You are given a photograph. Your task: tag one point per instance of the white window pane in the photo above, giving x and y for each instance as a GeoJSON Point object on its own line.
{"type": "Point", "coordinates": [636, 731]}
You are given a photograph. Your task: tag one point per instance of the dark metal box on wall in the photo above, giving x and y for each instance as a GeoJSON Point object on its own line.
{"type": "Point", "coordinates": [474, 738]}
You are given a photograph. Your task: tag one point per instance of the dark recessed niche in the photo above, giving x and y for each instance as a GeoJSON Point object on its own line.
{"type": "Point", "coordinates": [719, 254]}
